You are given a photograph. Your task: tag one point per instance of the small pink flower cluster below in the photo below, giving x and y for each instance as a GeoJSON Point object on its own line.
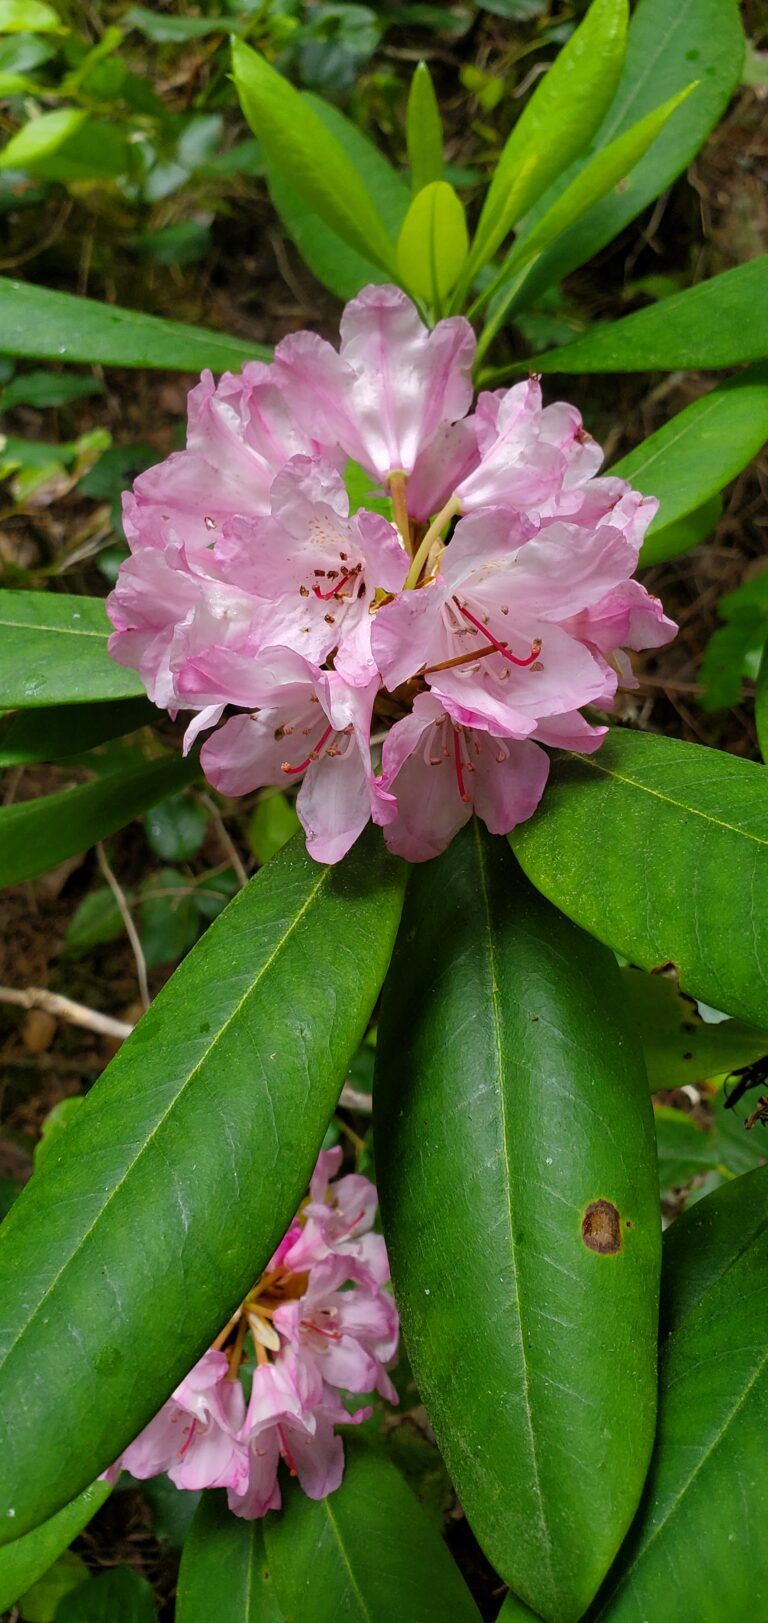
{"type": "Point", "coordinates": [320, 1323]}
{"type": "Point", "coordinates": [251, 587]}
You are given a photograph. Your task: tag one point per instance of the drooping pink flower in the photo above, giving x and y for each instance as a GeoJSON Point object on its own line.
{"type": "Point", "coordinates": [391, 385]}
{"type": "Point", "coordinates": [442, 770]}
{"type": "Point", "coordinates": [292, 1415]}
{"type": "Point", "coordinates": [348, 1337]}
{"type": "Point", "coordinates": [338, 1221]}
{"type": "Point", "coordinates": [195, 1438]}
{"type": "Point", "coordinates": [527, 453]}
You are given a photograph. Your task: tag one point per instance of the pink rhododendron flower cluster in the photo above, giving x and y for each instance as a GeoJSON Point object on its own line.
{"type": "Point", "coordinates": [311, 638]}
{"type": "Point", "coordinates": [319, 1322]}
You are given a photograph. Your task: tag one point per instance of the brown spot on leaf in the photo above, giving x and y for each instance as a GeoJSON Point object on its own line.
{"type": "Point", "coordinates": [600, 1227]}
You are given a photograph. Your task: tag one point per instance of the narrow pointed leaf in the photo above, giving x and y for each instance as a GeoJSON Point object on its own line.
{"type": "Point", "coordinates": [423, 131]}
{"type": "Point", "coordinates": [660, 849]}
{"type": "Point", "coordinates": [53, 650]}
{"type": "Point", "coordinates": [41, 137]}
{"type": "Point", "coordinates": [721, 322]}
{"type": "Point", "coordinates": [24, 1561]}
{"type": "Point", "coordinates": [35, 835]}
{"type": "Point", "coordinates": [42, 325]}
{"type": "Point", "coordinates": [298, 144]}
{"type": "Point", "coordinates": [698, 1549]}
{"type": "Point", "coordinates": [699, 451]}
{"type": "Point", "coordinates": [669, 43]}
{"type": "Point", "coordinates": [679, 1046]}
{"type": "Point", "coordinates": [224, 1572]}
{"type": "Point", "coordinates": [516, 1166]}
{"type": "Point", "coordinates": [340, 268]}
{"type": "Point", "coordinates": [433, 242]}
{"type": "Point", "coordinates": [56, 731]}
{"type": "Point", "coordinates": [366, 1554]}
{"type": "Point", "coordinates": [558, 123]}
{"type": "Point", "coordinates": [128, 1250]}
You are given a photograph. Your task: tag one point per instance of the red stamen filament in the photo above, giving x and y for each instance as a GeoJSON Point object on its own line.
{"type": "Point", "coordinates": [459, 773]}
{"type": "Point", "coordinates": [500, 647]}
{"type": "Point", "coordinates": [334, 592]}
{"type": "Point", "coordinates": [331, 1335]}
{"type": "Point", "coordinates": [286, 1452]}
{"type": "Point", "coordinates": [313, 754]}
{"type": "Point", "coordinates": [183, 1450]}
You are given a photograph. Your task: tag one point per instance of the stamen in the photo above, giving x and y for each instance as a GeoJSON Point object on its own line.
{"type": "Point", "coordinates": [291, 771]}
{"type": "Point", "coordinates": [286, 1452]}
{"type": "Point", "coordinates": [182, 1451]}
{"type": "Point", "coordinates": [500, 647]}
{"type": "Point", "coordinates": [334, 592]}
{"type": "Point", "coordinates": [459, 774]}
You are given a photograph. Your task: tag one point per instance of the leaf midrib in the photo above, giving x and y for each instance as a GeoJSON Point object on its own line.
{"type": "Point", "coordinates": [149, 1140]}
{"type": "Point", "coordinates": [53, 631]}
{"type": "Point", "coordinates": [666, 799]}
{"type": "Point", "coordinates": [336, 1530]}
{"type": "Point", "coordinates": [498, 1044]}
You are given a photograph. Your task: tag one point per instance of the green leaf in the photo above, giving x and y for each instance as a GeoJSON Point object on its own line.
{"type": "Point", "coordinates": [128, 1252]}
{"type": "Point", "coordinates": [433, 244]}
{"type": "Point", "coordinates": [366, 1554]}
{"type": "Point", "coordinates": [35, 835]}
{"type": "Point", "coordinates": [337, 266]}
{"type": "Point", "coordinates": [685, 1149]}
{"type": "Point", "coordinates": [679, 1046]}
{"type": "Point", "coordinates": [170, 922]}
{"type": "Point", "coordinates": [96, 920]}
{"type": "Point", "coordinates": [161, 28]}
{"type": "Point", "coordinates": [735, 649]}
{"type": "Point", "coordinates": [119, 1596]}
{"type": "Point", "coordinates": [558, 123]}
{"type": "Point", "coordinates": [514, 1151]}
{"type": "Point", "coordinates": [51, 733]}
{"type": "Point", "coordinates": [423, 130]}
{"type": "Point", "coordinates": [41, 389]}
{"type": "Point", "coordinates": [669, 540]}
{"type": "Point", "coordinates": [56, 1122]}
{"type": "Point", "coordinates": [301, 148]}
{"type": "Point", "coordinates": [223, 1572]}
{"type": "Point", "coordinates": [41, 137]}
{"type": "Point", "coordinates": [721, 322]}
{"type": "Point", "coordinates": [679, 873]}
{"type": "Point", "coordinates": [44, 325]}
{"type": "Point", "coordinates": [610, 168]}
{"type": "Point", "coordinates": [697, 1550]}
{"type": "Point", "coordinates": [669, 43]}
{"type": "Point", "coordinates": [53, 649]}
{"type": "Point", "coordinates": [176, 828]}
{"type": "Point", "coordinates": [697, 452]}
{"type": "Point", "coordinates": [41, 1602]}
{"type": "Point", "coordinates": [273, 823]}
{"type": "Point", "coordinates": [24, 1561]}
{"type": "Point", "coordinates": [17, 16]}
{"type": "Point", "coordinates": [761, 705]}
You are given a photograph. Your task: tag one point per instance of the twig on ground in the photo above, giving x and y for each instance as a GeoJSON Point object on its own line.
{"type": "Point", "coordinates": [63, 1008]}
{"type": "Point", "coordinates": [130, 928]}
{"type": "Point", "coordinates": [225, 838]}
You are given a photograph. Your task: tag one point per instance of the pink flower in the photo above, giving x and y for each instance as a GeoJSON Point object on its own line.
{"type": "Point", "coordinates": [391, 386]}
{"type": "Point", "coordinates": [318, 733]}
{"type": "Point", "coordinates": [347, 1336]}
{"type": "Point", "coordinates": [291, 1416]}
{"type": "Point", "coordinates": [441, 771]}
{"type": "Point", "coordinates": [527, 454]}
{"type": "Point", "coordinates": [338, 1221]}
{"type": "Point", "coordinates": [195, 1436]}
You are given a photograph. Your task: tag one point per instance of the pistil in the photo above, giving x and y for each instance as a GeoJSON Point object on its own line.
{"type": "Point", "coordinates": [334, 592]}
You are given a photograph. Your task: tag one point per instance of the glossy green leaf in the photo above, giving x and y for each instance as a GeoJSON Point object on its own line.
{"type": "Point", "coordinates": [117, 1596]}
{"type": "Point", "coordinates": [35, 835]}
{"type": "Point", "coordinates": [17, 16]}
{"type": "Point", "coordinates": [24, 1561]}
{"type": "Point", "coordinates": [43, 325]}
{"type": "Point", "coordinates": [557, 124]}
{"type": "Point", "coordinates": [53, 732]}
{"type": "Point", "coordinates": [40, 138]}
{"type": "Point", "coordinates": [670, 42]}
{"type": "Point", "coordinates": [669, 540]}
{"type": "Point", "coordinates": [366, 1554]}
{"type": "Point", "coordinates": [679, 1046]}
{"type": "Point", "coordinates": [721, 322]}
{"type": "Point", "coordinates": [176, 828]}
{"type": "Point", "coordinates": [610, 168]}
{"type": "Point", "coordinates": [433, 243]}
{"type": "Point", "coordinates": [224, 1573]}
{"type": "Point", "coordinates": [423, 130]}
{"type": "Point", "coordinates": [516, 1167]}
{"type": "Point", "coordinates": [301, 147]}
{"type": "Point", "coordinates": [127, 1253]}
{"type": "Point", "coordinates": [45, 1600]}
{"type": "Point", "coordinates": [273, 823]}
{"type": "Point", "coordinates": [53, 649]}
{"type": "Point", "coordinates": [761, 705]}
{"type": "Point", "coordinates": [685, 1149]}
{"type": "Point", "coordinates": [698, 1549]}
{"type": "Point", "coordinates": [340, 268]}
{"type": "Point", "coordinates": [697, 452]}
{"type": "Point", "coordinates": [660, 849]}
